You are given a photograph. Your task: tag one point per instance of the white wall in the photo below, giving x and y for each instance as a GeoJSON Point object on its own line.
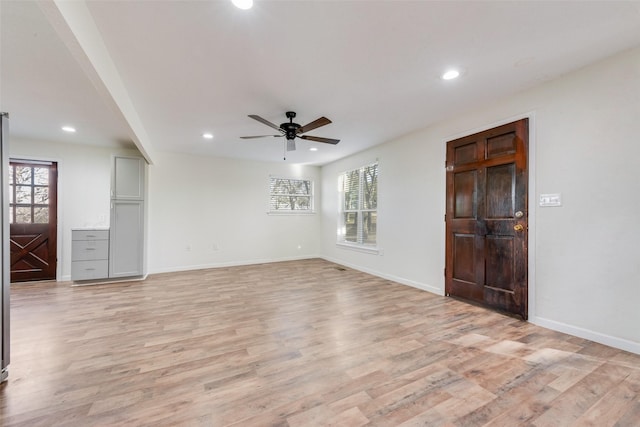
{"type": "Point", "coordinates": [410, 213]}
{"type": "Point", "coordinates": [84, 182]}
{"type": "Point", "coordinates": [210, 212]}
{"type": "Point", "coordinates": [194, 202]}
{"type": "Point", "coordinates": [585, 262]}
{"type": "Point", "coordinates": [585, 255]}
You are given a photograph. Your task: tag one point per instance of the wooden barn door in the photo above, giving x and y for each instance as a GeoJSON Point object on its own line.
{"type": "Point", "coordinates": [33, 220]}
{"type": "Point", "coordinates": [486, 218]}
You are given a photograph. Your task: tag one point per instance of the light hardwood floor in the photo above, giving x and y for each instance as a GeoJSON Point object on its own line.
{"type": "Point", "coordinates": [304, 343]}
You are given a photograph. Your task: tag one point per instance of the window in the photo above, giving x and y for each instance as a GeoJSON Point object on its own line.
{"type": "Point", "coordinates": [359, 206]}
{"type": "Point", "coordinates": [290, 195]}
{"type": "Point", "coordinates": [28, 193]}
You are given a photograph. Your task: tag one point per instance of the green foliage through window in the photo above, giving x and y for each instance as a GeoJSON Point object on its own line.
{"type": "Point", "coordinates": [359, 208]}
{"type": "Point", "coordinates": [290, 195]}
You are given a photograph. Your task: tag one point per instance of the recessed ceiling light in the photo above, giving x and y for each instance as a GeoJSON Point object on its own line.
{"type": "Point", "coordinates": [450, 75]}
{"type": "Point", "coordinates": [243, 4]}
{"type": "Point", "coordinates": [69, 129]}
{"type": "Point", "coordinates": [207, 135]}
{"type": "Point", "coordinates": [313, 149]}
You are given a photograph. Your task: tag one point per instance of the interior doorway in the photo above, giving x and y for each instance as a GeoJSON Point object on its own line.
{"type": "Point", "coordinates": [487, 218]}
{"type": "Point", "coordinates": [33, 220]}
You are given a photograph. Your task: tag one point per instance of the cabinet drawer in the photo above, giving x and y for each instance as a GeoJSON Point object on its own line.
{"type": "Point", "coordinates": [87, 270]}
{"type": "Point", "coordinates": [85, 250]}
{"type": "Point", "coordinates": [89, 234]}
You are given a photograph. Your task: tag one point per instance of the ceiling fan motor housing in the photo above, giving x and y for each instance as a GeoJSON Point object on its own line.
{"type": "Point", "coordinates": [290, 129]}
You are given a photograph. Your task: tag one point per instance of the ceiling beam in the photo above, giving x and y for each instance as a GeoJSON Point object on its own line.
{"type": "Point", "coordinates": [74, 23]}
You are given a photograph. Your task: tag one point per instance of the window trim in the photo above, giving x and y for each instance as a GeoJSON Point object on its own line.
{"type": "Point", "coordinates": [312, 196]}
{"type": "Point", "coordinates": [368, 249]}
{"type": "Point", "coordinates": [341, 242]}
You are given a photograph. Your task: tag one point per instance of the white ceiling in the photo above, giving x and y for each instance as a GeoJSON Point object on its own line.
{"type": "Point", "coordinates": [372, 67]}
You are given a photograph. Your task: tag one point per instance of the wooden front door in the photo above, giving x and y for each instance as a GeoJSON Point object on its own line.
{"type": "Point", "coordinates": [486, 218]}
{"type": "Point", "coordinates": [33, 220]}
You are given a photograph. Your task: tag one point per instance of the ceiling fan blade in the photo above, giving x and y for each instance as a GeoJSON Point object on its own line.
{"type": "Point", "coordinates": [264, 121]}
{"type": "Point", "coordinates": [260, 136]}
{"type": "Point", "coordinates": [314, 124]}
{"type": "Point", "coordinates": [291, 144]}
{"type": "Point", "coordinates": [319, 139]}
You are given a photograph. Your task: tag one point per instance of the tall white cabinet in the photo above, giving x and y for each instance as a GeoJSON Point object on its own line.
{"type": "Point", "coordinates": [126, 234]}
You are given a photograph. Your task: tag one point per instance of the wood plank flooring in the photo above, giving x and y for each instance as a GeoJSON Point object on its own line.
{"type": "Point", "coordinates": [304, 343]}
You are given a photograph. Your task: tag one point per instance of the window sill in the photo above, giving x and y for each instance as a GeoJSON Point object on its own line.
{"type": "Point", "coordinates": [359, 248]}
{"type": "Point", "coordinates": [291, 212]}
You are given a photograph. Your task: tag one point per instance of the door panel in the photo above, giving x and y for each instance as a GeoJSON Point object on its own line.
{"type": "Point", "coordinates": [486, 219]}
{"type": "Point", "coordinates": [33, 220]}
{"type": "Point", "coordinates": [500, 145]}
{"type": "Point", "coordinates": [464, 269]}
{"type": "Point", "coordinates": [465, 184]}
{"type": "Point", "coordinates": [466, 153]}
{"type": "Point", "coordinates": [500, 192]}
{"type": "Point", "coordinates": [499, 268]}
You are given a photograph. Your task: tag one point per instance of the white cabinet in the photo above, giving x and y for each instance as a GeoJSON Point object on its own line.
{"type": "Point", "coordinates": [119, 251]}
{"type": "Point", "coordinates": [127, 178]}
{"type": "Point", "coordinates": [89, 254]}
{"type": "Point", "coordinates": [127, 246]}
{"type": "Point", "coordinates": [126, 238]}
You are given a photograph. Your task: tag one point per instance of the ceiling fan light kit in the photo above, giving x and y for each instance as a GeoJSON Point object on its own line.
{"type": "Point", "coordinates": [291, 130]}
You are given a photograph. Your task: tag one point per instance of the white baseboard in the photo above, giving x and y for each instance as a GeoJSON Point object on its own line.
{"type": "Point", "coordinates": [229, 264]}
{"type": "Point", "coordinates": [598, 337]}
{"type": "Point", "coordinates": [422, 286]}
{"type": "Point", "coordinates": [109, 281]}
{"type": "Point", "coordinates": [67, 278]}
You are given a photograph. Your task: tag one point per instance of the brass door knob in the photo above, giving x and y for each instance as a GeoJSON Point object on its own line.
{"type": "Point", "coordinates": [518, 227]}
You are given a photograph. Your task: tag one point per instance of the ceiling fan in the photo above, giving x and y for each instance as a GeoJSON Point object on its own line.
{"type": "Point", "coordinates": [291, 130]}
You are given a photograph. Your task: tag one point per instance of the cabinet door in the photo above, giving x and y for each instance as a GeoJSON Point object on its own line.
{"type": "Point", "coordinates": [126, 238]}
{"type": "Point", "coordinates": [128, 178]}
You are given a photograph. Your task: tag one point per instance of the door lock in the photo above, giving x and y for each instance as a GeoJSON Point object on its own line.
{"type": "Point", "coordinates": [518, 227]}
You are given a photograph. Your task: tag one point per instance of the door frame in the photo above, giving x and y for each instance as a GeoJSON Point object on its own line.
{"type": "Point", "coordinates": [59, 235]}
{"type": "Point", "coordinates": [533, 200]}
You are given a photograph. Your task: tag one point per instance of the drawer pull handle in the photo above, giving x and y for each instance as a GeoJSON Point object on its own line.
{"type": "Point", "coordinates": [91, 249]}
{"type": "Point", "coordinates": [91, 235]}
{"type": "Point", "coordinates": [89, 269]}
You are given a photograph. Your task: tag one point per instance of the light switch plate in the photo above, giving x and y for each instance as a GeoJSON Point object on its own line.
{"type": "Point", "coordinates": [554, 199]}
